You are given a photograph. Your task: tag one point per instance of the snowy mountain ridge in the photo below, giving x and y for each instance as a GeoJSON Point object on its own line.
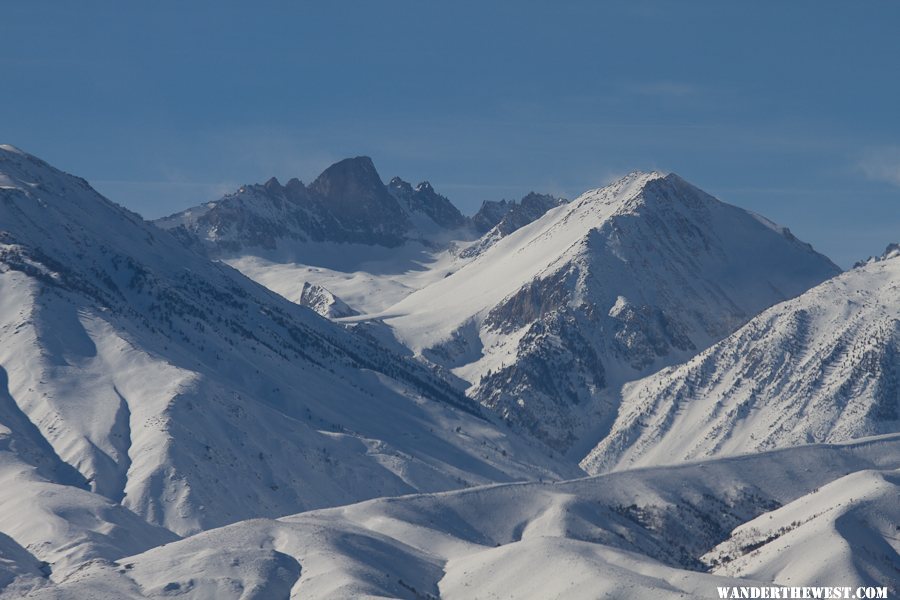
{"type": "Point", "coordinates": [548, 322]}
{"type": "Point", "coordinates": [161, 413]}
{"type": "Point", "coordinates": [821, 367]}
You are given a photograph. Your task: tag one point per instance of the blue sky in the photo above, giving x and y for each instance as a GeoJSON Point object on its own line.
{"type": "Point", "coordinates": [787, 108]}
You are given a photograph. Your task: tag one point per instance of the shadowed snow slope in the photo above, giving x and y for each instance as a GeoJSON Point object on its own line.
{"type": "Point", "coordinates": [139, 379]}
{"type": "Point", "coordinates": [638, 534]}
{"type": "Point", "coordinates": [822, 367]}
{"type": "Point", "coordinates": [845, 531]}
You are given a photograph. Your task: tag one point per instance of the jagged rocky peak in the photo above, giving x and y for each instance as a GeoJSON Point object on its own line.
{"type": "Point", "coordinates": [425, 200]}
{"type": "Point", "coordinates": [892, 251]}
{"type": "Point", "coordinates": [348, 202]}
{"type": "Point", "coordinates": [352, 193]}
{"type": "Point", "coordinates": [498, 219]}
{"type": "Point", "coordinates": [531, 208]}
{"type": "Point", "coordinates": [490, 213]}
{"type": "Point", "coordinates": [533, 200]}
{"type": "Point", "coordinates": [438, 207]}
{"type": "Point", "coordinates": [511, 215]}
{"type": "Point", "coordinates": [399, 186]}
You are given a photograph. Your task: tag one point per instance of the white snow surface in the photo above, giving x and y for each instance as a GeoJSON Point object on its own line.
{"type": "Point", "coordinates": [637, 534]}
{"type": "Point", "coordinates": [368, 278]}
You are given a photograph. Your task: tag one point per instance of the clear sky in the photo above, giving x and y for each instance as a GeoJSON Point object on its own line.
{"type": "Point", "coordinates": [791, 109]}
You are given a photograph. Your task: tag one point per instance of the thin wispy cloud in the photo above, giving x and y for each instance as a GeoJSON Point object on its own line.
{"type": "Point", "coordinates": [163, 197]}
{"type": "Point", "coordinates": [882, 165]}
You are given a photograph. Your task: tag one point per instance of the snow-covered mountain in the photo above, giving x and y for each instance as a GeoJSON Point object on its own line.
{"type": "Point", "coordinates": [822, 367]}
{"type": "Point", "coordinates": [556, 304]}
{"type": "Point", "coordinates": [546, 323]}
{"type": "Point", "coordinates": [817, 515]}
{"type": "Point", "coordinates": [146, 392]}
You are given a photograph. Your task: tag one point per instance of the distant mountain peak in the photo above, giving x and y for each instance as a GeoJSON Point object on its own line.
{"type": "Point", "coordinates": [629, 188]}
{"type": "Point", "coordinates": [347, 203]}
{"type": "Point", "coordinates": [497, 219]}
{"type": "Point", "coordinates": [639, 179]}
{"type": "Point", "coordinates": [344, 175]}
{"type": "Point", "coordinates": [892, 251]}
{"type": "Point", "coordinates": [425, 200]}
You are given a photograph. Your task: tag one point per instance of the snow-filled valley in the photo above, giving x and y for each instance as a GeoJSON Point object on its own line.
{"type": "Point", "coordinates": [348, 389]}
